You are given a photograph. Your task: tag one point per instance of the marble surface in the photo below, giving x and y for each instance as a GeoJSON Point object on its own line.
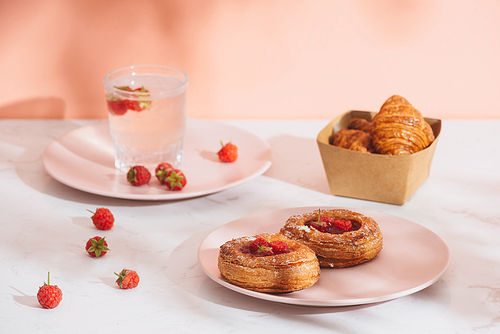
{"type": "Point", "coordinates": [45, 225]}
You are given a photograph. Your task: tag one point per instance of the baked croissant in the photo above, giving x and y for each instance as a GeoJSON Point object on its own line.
{"type": "Point", "coordinates": [399, 129]}
{"type": "Point", "coordinates": [354, 140]}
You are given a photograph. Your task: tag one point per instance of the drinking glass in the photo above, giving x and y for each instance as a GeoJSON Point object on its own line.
{"type": "Point", "coordinates": [147, 114]}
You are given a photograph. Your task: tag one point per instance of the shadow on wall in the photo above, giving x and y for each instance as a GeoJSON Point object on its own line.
{"type": "Point", "coordinates": [72, 55]}
{"type": "Point", "coordinates": [38, 107]}
{"type": "Point", "coordinates": [96, 44]}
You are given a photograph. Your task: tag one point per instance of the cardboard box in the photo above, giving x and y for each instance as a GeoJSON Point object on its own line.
{"type": "Point", "coordinates": [374, 177]}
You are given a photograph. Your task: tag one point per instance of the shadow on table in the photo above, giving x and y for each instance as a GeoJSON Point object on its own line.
{"type": "Point", "coordinates": [26, 300]}
{"type": "Point", "coordinates": [30, 169]}
{"type": "Point", "coordinates": [184, 271]}
{"type": "Point", "coordinates": [298, 161]}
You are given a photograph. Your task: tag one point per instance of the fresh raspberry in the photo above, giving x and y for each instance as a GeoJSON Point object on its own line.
{"type": "Point", "coordinates": [175, 180]}
{"type": "Point", "coordinates": [116, 106]}
{"type": "Point", "coordinates": [228, 152]}
{"type": "Point", "coordinates": [127, 279]}
{"type": "Point", "coordinates": [133, 105]}
{"type": "Point", "coordinates": [265, 251]}
{"type": "Point", "coordinates": [327, 219]}
{"type": "Point", "coordinates": [161, 171]}
{"type": "Point", "coordinates": [323, 222]}
{"type": "Point", "coordinates": [97, 247]}
{"type": "Point", "coordinates": [103, 219]}
{"type": "Point", "coordinates": [321, 225]}
{"type": "Point", "coordinates": [260, 247]}
{"type": "Point", "coordinates": [49, 296]}
{"type": "Point", "coordinates": [254, 245]}
{"type": "Point", "coordinates": [279, 247]}
{"type": "Point", "coordinates": [343, 225]}
{"type": "Point", "coordinates": [138, 175]}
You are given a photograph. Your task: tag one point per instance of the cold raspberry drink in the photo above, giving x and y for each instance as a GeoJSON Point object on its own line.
{"type": "Point", "coordinates": [147, 115]}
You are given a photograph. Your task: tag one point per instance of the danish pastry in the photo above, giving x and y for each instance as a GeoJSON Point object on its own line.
{"type": "Point", "coordinates": [340, 238]}
{"type": "Point", "coordinates": [354, 140]}
{"type": "Point", "coordinates": [399, 129]}
{"type": "Point", "coordinates": [268, 262]}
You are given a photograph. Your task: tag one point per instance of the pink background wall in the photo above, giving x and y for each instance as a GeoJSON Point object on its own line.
{"type": "Point", "coordinates": [246, 59]}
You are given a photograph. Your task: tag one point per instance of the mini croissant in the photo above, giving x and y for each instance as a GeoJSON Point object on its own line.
{"type": "Point", "coordinates": [354, 140]}
{"type": "Point", "coordinates": [399, 129]}
{"type": "Point", "coordinates": [359, 124]}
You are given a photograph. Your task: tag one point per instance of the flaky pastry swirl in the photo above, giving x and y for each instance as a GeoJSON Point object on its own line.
{"type": "Point", "coordinates": [287, 272]}
{"type": "Point", "coordinates": [337, 250]}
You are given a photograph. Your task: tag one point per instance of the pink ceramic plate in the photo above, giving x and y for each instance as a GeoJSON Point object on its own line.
{"type": "Point", "coordinates": [412, 258]}
{"type": "Point", "coordinates": [84, 159]}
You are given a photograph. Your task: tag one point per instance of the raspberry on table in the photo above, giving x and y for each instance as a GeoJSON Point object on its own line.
{"type": "Point", "coordinates": [102, 218]}
{"type": "Point", "coordinates": [97, 246]}
{"type": "Point", "coordinates": [49, 296]}
{"type": "Point", "coordinates": [127, 279]}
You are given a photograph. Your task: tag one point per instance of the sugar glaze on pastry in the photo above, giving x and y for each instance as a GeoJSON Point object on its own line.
{"type": "Point", "coordinates": [296, 269]}
{"type": "Point", "coordinates": [335, 248]}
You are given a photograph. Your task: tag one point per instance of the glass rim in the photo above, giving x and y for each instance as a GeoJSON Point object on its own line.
{"type": "Point", "coordinates": [182, 75]}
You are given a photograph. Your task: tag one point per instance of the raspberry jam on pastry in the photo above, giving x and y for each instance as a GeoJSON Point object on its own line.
{"type": "Point", "coordinates": [333, 225]}
{"type": "Point", "coordinates": [260, 247]}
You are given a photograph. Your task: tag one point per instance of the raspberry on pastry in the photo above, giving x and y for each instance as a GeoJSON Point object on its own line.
{"type": "Point", "coordinates": [348, 239]}
{"type": "Point", "coordinates": [268, 262]}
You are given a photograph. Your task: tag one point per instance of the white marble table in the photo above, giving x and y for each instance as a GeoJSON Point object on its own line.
{"type": "Point", "coordinates": [44, 226]}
